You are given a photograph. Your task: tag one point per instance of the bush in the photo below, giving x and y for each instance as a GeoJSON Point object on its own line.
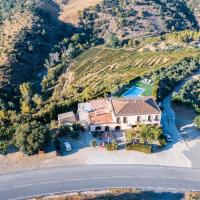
{"type": "Point", "coordinates": [3, 147]}
{"type": "Point", "coordinates": [197, 122]}
{"type": "Point", "coordinates": [112, 41]}
{"type": "Point", "coordinates": [63, 131]}
{"type": "Point", "coordinates": [162, 141]}
{"type": "Point", "coordinates": [76, 127]}
{"type": "Point", "coordinates": [93, 143]}
{"type": "Point", "coordinates": [145, 148]}
{"type": "Point", "coordinates": [112, 146]}
{"type": "Point", "coordinates": [31, 137]}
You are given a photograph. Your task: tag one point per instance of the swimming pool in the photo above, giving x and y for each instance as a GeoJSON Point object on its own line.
{"type": "Point", "coordinates": [133, 92]}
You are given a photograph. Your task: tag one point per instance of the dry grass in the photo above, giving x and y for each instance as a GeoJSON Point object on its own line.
{"type": "Point", "coordinates": [10, 33]}
{"type": "Point", "coordinates": [90, 195]}
{"type": "Point", "coordinates": [70, 9]}
{"type": "Point", "coordinates": [192, 196]}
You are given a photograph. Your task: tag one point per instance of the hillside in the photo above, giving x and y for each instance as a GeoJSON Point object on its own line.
{"type": "Point", "coordinates": [133, 18]}
{"type": "Point", "coordinates": [195, 7]}
{"type": "Point", "coordinates": [56, 53]}
{"type": "Point", "coordinates": [29, 30]}
{"type": "Point", "coordinates": [70, 9]}
{"type": "Point", "coordinates": [100, 71]}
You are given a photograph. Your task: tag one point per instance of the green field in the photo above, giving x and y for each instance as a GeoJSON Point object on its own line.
{"type": "Point", "coordinates": [147, 87]}
{"type": "Point", "coordinates": [99, 71]}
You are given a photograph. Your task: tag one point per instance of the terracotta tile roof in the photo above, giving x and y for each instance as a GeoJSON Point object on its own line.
{"type": "Point", "coordinates": [101, 119]}
{"type": "Point", "coordinates": [135, 106]}
{"type": "Point", "coordinates": [101, 112]}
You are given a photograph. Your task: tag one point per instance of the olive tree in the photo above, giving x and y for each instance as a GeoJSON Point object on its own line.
{"type": "Point", "coordinates": [31, 137]}
{"type": "Point", "coordinates": [197, 122]}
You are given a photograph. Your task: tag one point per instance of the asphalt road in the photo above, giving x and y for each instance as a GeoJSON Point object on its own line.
{"type": "Point", "coordinates": [80, 178]}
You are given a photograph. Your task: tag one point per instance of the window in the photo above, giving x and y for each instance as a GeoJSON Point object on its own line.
{"type": "Point", "coordinates": [117, 128]}
{"type": "Point", "coordinates": [139, 119]}
{"type": "Point", "coordinates": [149, 118]}
{"type": "Point", "coordinates": [98, 128]}
{"type": "Point", "coordinates": [125, 120]}
{"type": "Point", "coordinates": [107, 128]}
{"type": "Point", "coordinates": [157, 118]}
{"type": "Point", "coordinates": [118, 120]}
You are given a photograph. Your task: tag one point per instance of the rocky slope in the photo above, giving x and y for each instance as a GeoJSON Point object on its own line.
{"type": "Point", "coordinates": [134, 18]}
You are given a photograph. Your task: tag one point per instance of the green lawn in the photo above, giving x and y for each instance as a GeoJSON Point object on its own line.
{"type": "Point", "coordinates": [147, 87]}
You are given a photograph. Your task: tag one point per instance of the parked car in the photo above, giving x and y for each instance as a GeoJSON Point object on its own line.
{"type": "Point", "coordinates": [68, 146]}
{"type": "Point", "coordinates": [168, 137]}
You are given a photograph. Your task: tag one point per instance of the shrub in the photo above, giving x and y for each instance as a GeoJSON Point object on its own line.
{"type": "Point", "coordinates": [31, 137]}
{"type": "Point", "coordinates": [162, 141]}
{"type": "Point", "coordinates": [93, 143]}
{"type": "Point", "coordinates": [145, 148]}
{"type": "Point", "coordinates": [76, 127]}
{"type": "Point", "coordinates": [3, 147]}
{"type": "Point", "coordinates": [197, 122]}
{"type": "Point", "coordinates": [63, 131]}
{"type": "Point", "coordinates": [112, 146]}
{"type": "Point", "coordinates": [112, 41]}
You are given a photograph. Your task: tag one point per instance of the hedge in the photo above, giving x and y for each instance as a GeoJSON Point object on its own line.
{"type": "Point", "coordinates": [145, 148]}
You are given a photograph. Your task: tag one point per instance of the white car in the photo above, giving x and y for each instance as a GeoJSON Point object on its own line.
{"type": "Point", "coordinates": [168, 137]}
{"type": "Point", "coordinates": [68, 146]}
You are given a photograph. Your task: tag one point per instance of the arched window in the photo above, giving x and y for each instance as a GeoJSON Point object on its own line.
{"type": "Point", "coordinates": [98, 128]}
{"type": "Point", "coordinates": [125, 120]}
{"type": "Point", "coordinates": [117, 128]}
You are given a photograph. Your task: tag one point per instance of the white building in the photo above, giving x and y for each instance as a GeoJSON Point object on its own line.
{"type": "Point", "coordinates": [119, 114]}
{"type": "Point", "coordinates": [67, 118]}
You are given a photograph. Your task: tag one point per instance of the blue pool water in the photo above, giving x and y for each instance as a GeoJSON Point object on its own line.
{"type": "Point", "coordinates": [133, 92]}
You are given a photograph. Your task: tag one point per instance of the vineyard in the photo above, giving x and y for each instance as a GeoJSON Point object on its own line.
{"type": "Point", "coordinates": [99, 71]}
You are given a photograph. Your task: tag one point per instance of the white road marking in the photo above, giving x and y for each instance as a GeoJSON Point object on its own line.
{"type": "Point", "coordinates": [21, 186]}
{"type": "Point", "coordinates": [46, 182]}
{"type": "Point", "coordinates": [169, 177]}
{"type": "Point", "coordinates": [84, 179]}
{"type": "Point", "coordinates": [146, 176]}
{"type": "Point", "coordinates": [102, 177]}
{"type": "Point", "coordinates": [122, 177]}
{"type": "Point", "coordinates": [60, 181]}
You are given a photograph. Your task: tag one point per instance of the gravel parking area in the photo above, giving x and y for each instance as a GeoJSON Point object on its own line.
{"type": "Point", "coordinates": [83, 154]}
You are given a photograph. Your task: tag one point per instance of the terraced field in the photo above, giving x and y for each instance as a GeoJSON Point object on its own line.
{"type": "Point", "coordinates": [105, 70]}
